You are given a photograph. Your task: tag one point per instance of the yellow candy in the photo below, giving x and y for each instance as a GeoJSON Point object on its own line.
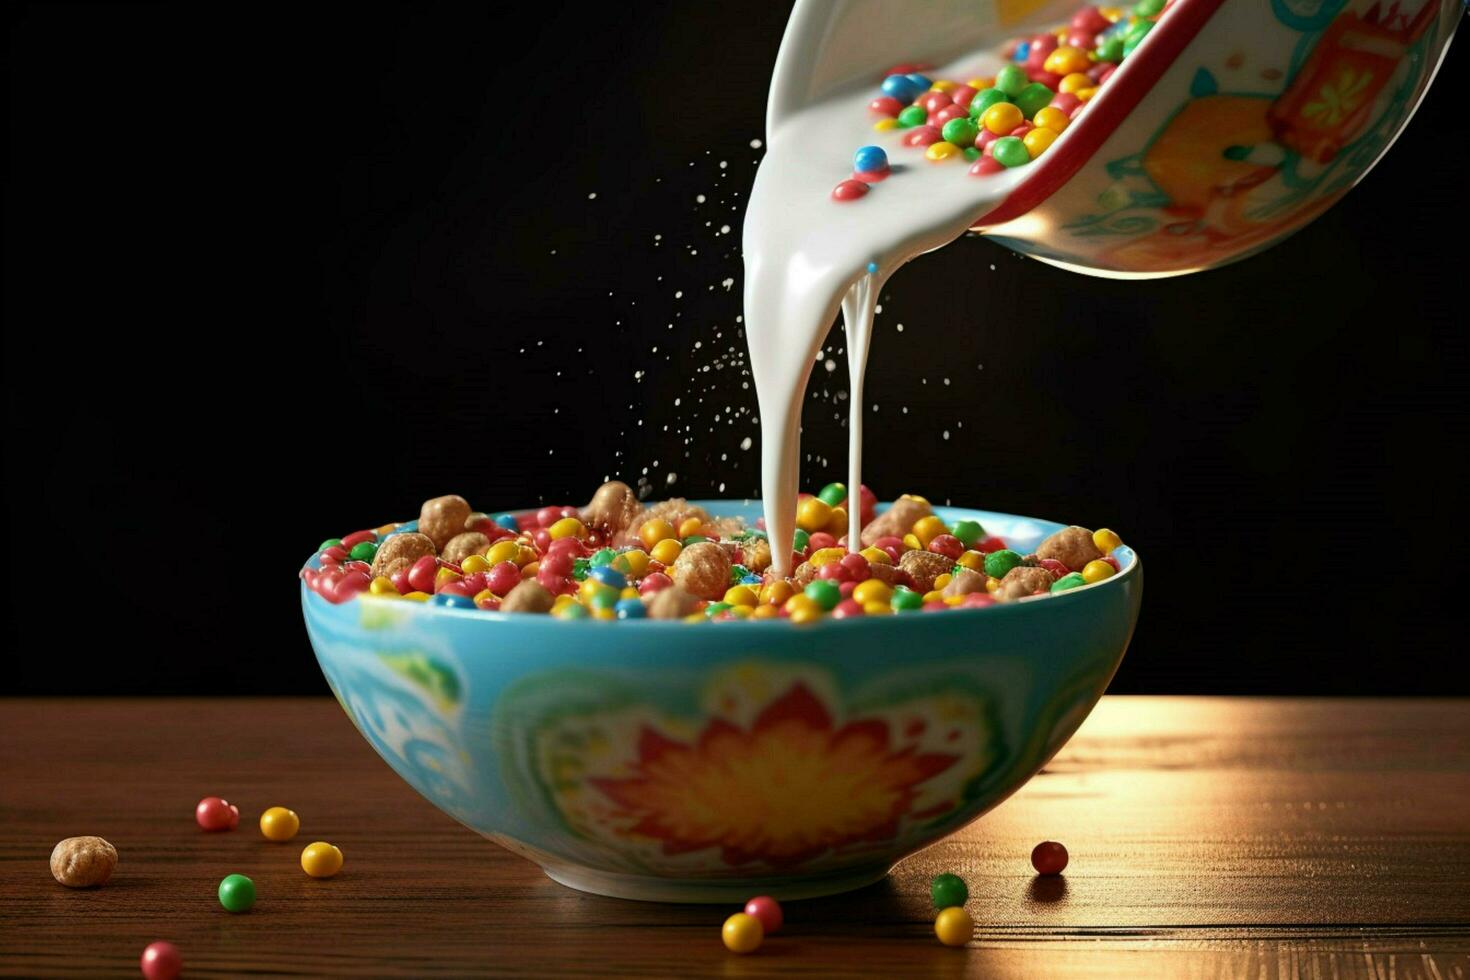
{"type": "Point", "coordinates": [777, 592]}
{"type": "Point", "coordinates": [483, 596]}
{"type": "Point", "coordinates": [568, 527]}
{"type": "Point", "coordinates": [765, 612]}
{"type": "Point", "coordinates": [812, 514]}
{"type": "Point", "coordinates": [1038, 141]}
{"type": "Point", "coordinates": [837, 523]}
{"type": "Point", "coordinates": [505, 551]}
{"type": "Point", "coordinates": [926, 529]}
{"type": "Point", "coordinates": [633, 564]}
{"type": "Point", "coordinates": [386, 529]}
{"type": "Point", "coordinates": [1002, 117]}
{"type": "Point", "coordinates": [591, 588]}
{"type": "Point", "coordinates": [953, 926]}
{"type": "Point", "coordinates": [383, 586]}
{"type": "Point", "coordinates": [981, 84]}
{"type": "Point", "coordinates": [529, 571]}
{"type": "Point", "coordinates": [943, 86]}
{"type": "Point", "coordinates": [473, 564]}
{"type": "Point", "coordinates": [1086, 94]}
{"type": "Point", "coordinates": [912, 543]}
{"type": "Point", "coordinates": [876, 556]}
{"type": "Point", "coordinates": [559, 602]}
{"type": "Point", "coordinates": [953, 600]}
{"type": "Point", "coordinates": [1096, 571]}
{"type": "Point", "coordinates": [872, 590]}
{"type": "Point", "coordinates": [742, 933]}
{"type": "Point", "coordinates": [1073, 82]}
{"type": "Point", "coordinates": [692, 525]}
{"type": "Point", "coordinates": [934, 595]}
{"type": "Point", "coordinates": [807, 614]}
{"type": "Point", "coordinates": [321, 860]}
{"type": "Point", "coordinates": [877, 609]}
{"type": "Point", "coordinates": [604, 614]}
{"type": "Point", "coordinates": [940, 581]}
{"type": "Point", "coordinates": [654, 531]}
{"type": "Point", "coordinates": [826, 556]}
{"type": "Point", "coordinates": [445, 574]}
{"type": "Point", "coordinates": [666, 551]}
{"type": "Point", "coordinates": [1106, 540]}
{"type": "Point", "coordinates": [884, 125]}
{"type": "Point", "coordinates": [991, 584]}
{"type": "Point", "coordinates": [628, 592]}
{"type": "Point", "coordinates": [740, 595]}
{"type": "Point", "coordinates": [417, 596]}
{"type": "Point", "coordinates": [1051, 118]}
{"type": "Point", "coordinates": [694, 617]}
{"type": "Point", "coordinates": [973, 560]}
{"type": "Point", "coordinates": [1111, 13]}
{"type": "Point", "coordinates": [942, 151]}
{"type": "Point", "coordinates": [279, 823]}
{"type": "Point", "coordinates": [1067, 60]}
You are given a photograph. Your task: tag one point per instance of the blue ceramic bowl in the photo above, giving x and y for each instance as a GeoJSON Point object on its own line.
{"type": "Point", "coordinates": [685, 762]}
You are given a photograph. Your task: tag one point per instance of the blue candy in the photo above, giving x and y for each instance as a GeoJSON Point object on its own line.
{"type": "Point", "coordinates": [507, 521]}
{"type": "Point", "coordinates": [608, 575]}
{"type": "Point", "coordinates": [453, 601]}
{"type": "Point", "coordinates": [901, 87]}
{"type": "Point", "coordinates": [1023, 51]}
{"type": "Point", "coordinates": [751, 579]}
{"type": "Point", "coordinates": [869, 159]}
{"type": "Point", "coordinates": [631, 609]}
{"type": "Point", "coordinates": [920, 83]}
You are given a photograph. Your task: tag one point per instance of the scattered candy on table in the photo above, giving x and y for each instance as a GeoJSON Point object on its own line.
{"type": "Point", "coordinates": [1049, 858]}
{"type": "Point", "coordinates": [161, 961]}
{"type": "Point", "coordinates": [279, 823]}
{"type": "Point", "coordinates": [768, 911]}
{"type": "Point", "coordinates": [321, 860]}
{"type": "Point", "coordinates": [213, 813]}
{"type": "Point", "coordinates": [947, 890]}
{"type": "Point", "coordinates": [617, 560]}
{"type": "Point", "coordinates": [742, 933]}
{"type": "Point", "coordinates": [236, 893]}
{"type": "Point", "coordinates": [953, 926]}
{"type": "Point", "coordinates": [1006, 121]}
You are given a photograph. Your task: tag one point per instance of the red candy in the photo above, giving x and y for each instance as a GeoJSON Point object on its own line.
{"type": "Point", "coordinates": [502, 577]}
{"type": "Point", "coordinates": [871, 176]}
{"type": "Point", "coordinates": [886, 105]}
{"type": "Point", "coordinates": [922, 136]}
{"type": "Point", "coordinates": [1065, 101]}
{"type": "Point", "coordinates": [1056, 568]}
{"type": "Point", "coordinates": [161, 961]}
{"type": "Point", "coordinates": [768, 911]}
{"type": "Point", "coordinates": [934, 101]}
{"type": "Point", "coordinates": [946, 114]}
{"type": "Point", "coordinates": [961, 95]}
{"type": "Point", "coordinates": [1049, 858]}
{"type": "Point", "coordinates": [992, 543]}
{"type": "Point", "coordinates": [1089, 19]}
{"type": "Point", "coordinates": [849, 190]}
{"type": "Point", "coordinates": [857, 567]}
{"type": "Point", "coordinates": [422, 574]}
{"type": "Point", "coordinates": [654, 581]}
{"type": "Point", "coordinates": [847, 608]}
{"type": "Point", "coordinates": [358, 537]}
{"type": "Point", "coordinates": [947, 545]}
{"type": "Point", "coordinates": [820, 540]}
{"type": "Point", "coordinates": [547, 516]}
{"type": "Point", "coordinates": [214, 814]}
{"type": "Point", "coordinates": [985, 166]}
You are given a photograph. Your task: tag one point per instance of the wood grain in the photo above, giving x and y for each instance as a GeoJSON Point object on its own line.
{"type": "Point", "coordinates": [1211, 838]}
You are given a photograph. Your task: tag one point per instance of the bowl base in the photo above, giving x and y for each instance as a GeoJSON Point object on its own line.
{"type": "Point", "coordinates": [643, 888]}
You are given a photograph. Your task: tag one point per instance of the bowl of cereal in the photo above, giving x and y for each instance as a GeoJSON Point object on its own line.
{"type": "Point", "coordinates": [786, 735]}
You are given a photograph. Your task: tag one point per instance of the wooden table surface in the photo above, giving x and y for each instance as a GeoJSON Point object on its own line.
{"type": "Point", "coordinates": [1248, 838]}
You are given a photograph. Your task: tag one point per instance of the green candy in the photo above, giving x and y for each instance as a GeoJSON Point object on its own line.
{"type": "Point", "coordinates": [960, 131]}
{"type": "Point", "coordinates": [1132, 42]}
{"type": "Point", "coordinates": [984, 99]}
{"type": "Point", "coordinates": [1111, 50]}
{"type": "Point", "coordinates": [997, 563]}
{"type": "Point", "coordinates": [603, 556]}
{"type": "Point", "coordinates": [1069, 581]}
{"type": "Point", "coordinates": [971, 154]}
{"type": "Point", "coordinates": [800, 541]}
{"type": "Point", "coordinates": [571, 610]}
{"type": "Point", "coordinates": [968, 532]}
{"type": "Point", "coordinates": [363, 551]}
{"type": "Point", "coordinates": [237, 893]}
{"type": "Point", "coordinates": [1009, 151]}
{"type": "Point", "coordinates": [835, 493]}
{"type": "Point", "coordinates": [1148, 8]}
{"type": "Point", "coordinates": [914, 115]}
{"type": "Point", "coordinates": [1011, 79]}
{"type": "Point", "coordinates": [580, 568]}
{"type": "Point", "coordinates": [715, 608]}
{"type": "Point", "coordinates": [330, 543]}
{"type": "Point", "coordinates": [738, 572]}
{"type": "Point", "coordinates": [906, 599]}
{"type": "Point", "coordinates": [1033, 98]}
{"type": "Point", "coordinates": [948, 890]}
{"type": "Point", "coordinates": [694, 539]}
{"type": "Point", "coordinates": [824, 593]}
{"type": "Point", "coordinates": [605, 598]}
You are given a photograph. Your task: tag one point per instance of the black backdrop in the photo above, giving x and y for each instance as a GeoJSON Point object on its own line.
{"type": "Point", "coordinates": [273, 274]}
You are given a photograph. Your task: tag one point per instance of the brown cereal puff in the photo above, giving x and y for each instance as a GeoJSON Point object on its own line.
{"type": "Point", "coordinates": [528, 597]}
{"type": "Point", "coordinates": [703, 570]}
{"type": "Point", "coordinates": [614, 508]}
{"type": "Point", "coordinates": [395, 566]}
{"type": "Point", "coordinates": [1021, 581]}
{"type": "Point", "coordinates": [965, 581]}
{"type": "Point", "coordinates": [803, 575]}
{"type": "Point", "coordinates": [671, 602]}
{"type": "Point", "coordinates": [464, 544]}
{"type": "Point", "coordinates": [83, 862]}
{"type": "Point", "coordinates": [1071, 546]}
{"type": "Point", "coordinates": [676, 510]}
{"type": "Point", "coordinates": [924, 567]}
{"type": "Point", "coordinates": [896, 520]}
{"type": "Point", "coordinates": [889, 575]}
{"type": "Point", "coordinates": [410, 545]}
{"type": "Point", "coordinates": [757, 555]}
{"type": "Point", "coordinates": [442, 518]}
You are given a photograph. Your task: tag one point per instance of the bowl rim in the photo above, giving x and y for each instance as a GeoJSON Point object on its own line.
{"type": "Point", "coordinates": [1131, 569]}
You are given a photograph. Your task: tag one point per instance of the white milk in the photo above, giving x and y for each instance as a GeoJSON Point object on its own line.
{"type": "Point", "coordinates": [806, 255]}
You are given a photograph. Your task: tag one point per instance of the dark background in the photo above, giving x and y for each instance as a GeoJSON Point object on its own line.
{"type": "Point", "coordinates": [272, 274]}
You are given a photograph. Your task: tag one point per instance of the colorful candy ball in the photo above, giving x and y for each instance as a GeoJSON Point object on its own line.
{"type": "Point", "coordinates": [236, 893]}
{"type": "Point", "coordinates": [953, 926]}
{"type": "Point", "coordinates": [161, 961]}
{"type": "Point", "coordinates": [279, 823]}
{"type": "Point", "coordinates": [869, 159]}
{"type": "Point", "coordinates": [768, 911]}
{"type": "Point", "coordinates": [1049, 858]}
{"type": "Point", "coordinates": [948, 890]}
{"type": "Point", "coordinates": [321, 860]}
{"type": "Point", "coordinates": [214, 814]}
{"type": "Point", "coordinates": [742, 933]}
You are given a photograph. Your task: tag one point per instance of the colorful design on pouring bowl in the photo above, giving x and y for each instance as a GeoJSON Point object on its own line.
{"type": "Point", "coordinates": [668, 761]}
